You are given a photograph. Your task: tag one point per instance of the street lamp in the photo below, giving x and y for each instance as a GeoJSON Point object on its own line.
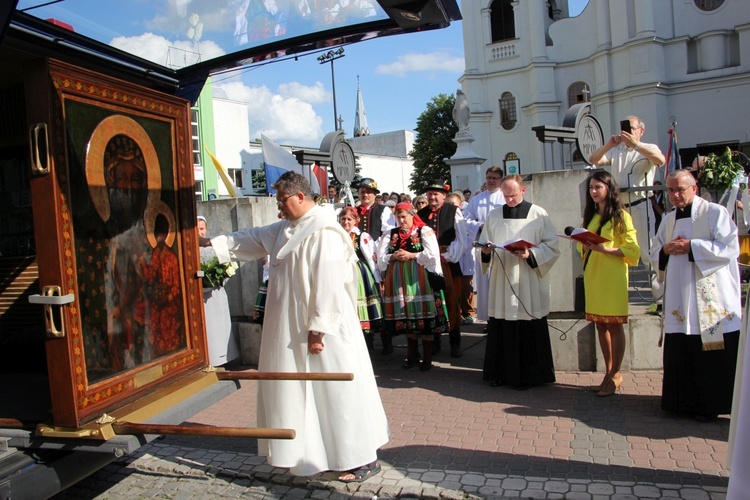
{"type": "Point", "coordinates": [331, 56]}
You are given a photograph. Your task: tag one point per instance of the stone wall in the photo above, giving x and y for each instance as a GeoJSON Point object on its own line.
{"type": "Point", "coordinates": [225, 216]}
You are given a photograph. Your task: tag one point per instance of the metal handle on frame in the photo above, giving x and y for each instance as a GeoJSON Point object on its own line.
{"type": "Point", "coordinates": [51, 296]}
{"type": "Point", "coordinates": [39, 144]}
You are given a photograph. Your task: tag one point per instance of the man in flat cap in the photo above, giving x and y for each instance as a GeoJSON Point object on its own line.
{"type": "Point", "coordinates": [448, 223]}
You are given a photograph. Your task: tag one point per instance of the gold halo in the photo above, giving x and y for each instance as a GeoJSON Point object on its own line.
{"type": "Point", "coordinates": [104, 131]}
{"type": "Point", "coordinates": [149, 221]}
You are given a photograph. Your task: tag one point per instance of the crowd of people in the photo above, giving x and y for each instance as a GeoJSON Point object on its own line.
{"type": "Point", "coordinates": [338, 278]}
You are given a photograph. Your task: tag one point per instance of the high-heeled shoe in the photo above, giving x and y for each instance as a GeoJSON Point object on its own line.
{"type": "Point", "coordinates": [608, 388]}
{"type": "Point", "coordinates": [618, 380]}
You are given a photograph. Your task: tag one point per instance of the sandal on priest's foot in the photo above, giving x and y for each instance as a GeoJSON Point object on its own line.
{"type": "Point", "coordinates": [361, 473]}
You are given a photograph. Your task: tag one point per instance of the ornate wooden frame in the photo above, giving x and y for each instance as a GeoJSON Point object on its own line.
{"type": "Point", "coordinates": [81, 247]}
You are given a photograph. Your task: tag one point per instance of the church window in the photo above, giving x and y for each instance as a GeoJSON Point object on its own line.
{"type": "Point", "coordinates": [508, 116]}
{"type": "Point", "coordinates": [502, 22]}
{"type": "Point", "coordinates": [708, 4]}
{"type": "Point", "coordinates": [578, 92]}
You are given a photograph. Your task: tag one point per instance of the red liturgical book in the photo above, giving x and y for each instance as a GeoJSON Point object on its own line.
{"type": "Point", "coordinates": [513, 245]}
{"type": "Point", "coordinates": [584, 236]}
{"type": "Point", "coordinates": [517, 244]}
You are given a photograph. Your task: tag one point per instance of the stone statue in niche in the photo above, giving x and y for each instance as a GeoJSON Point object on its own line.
{"type": "Point", "coordinates": [461, 112]}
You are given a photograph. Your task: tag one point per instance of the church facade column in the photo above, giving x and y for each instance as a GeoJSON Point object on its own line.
{"type": "Point", "coordinates": [536, 12]}
{"type": "Point", "coordinates": [603, 28]}
{"type": "Point", "coordinates": [644, 18]}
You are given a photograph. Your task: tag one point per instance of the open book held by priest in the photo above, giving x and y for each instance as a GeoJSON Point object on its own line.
{"type": "Point", "coordinates": [514, 245]}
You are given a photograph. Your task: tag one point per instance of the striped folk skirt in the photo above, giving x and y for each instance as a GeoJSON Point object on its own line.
{"type": "Point", "coordinates": [410, 304]}
{"type": "Point", "coordinates": [368, 300]}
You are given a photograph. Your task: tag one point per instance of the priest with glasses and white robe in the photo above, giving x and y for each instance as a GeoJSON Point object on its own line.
{"type": "Point", "coordinates": [311, 325]}
{"type": "Point", "coordinates": [696, 251]}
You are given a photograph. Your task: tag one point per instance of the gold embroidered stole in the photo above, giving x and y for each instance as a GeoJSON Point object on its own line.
{"type": "Point", "coordinates": [710, 310]}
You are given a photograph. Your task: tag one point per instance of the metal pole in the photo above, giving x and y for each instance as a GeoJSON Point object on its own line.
{"type": "Point", "coordinates": [332, 55]}
{"type": "Point", "coordinates": [333, 86]}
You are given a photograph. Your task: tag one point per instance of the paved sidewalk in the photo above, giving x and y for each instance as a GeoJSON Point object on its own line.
{"type": "Point", "coordinates": [456, 437]}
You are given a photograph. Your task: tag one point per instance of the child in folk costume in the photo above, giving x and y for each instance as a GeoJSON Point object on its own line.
{"type": "Point", "coordinates": [368, 294]}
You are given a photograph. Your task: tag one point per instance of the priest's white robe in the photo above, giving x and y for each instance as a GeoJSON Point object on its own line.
{"type": "Point", "coordinates": [698, 381]}
{"type": "Point", "coordinates": [716, 255]}
{"type": "Point", "coordinates": [531, 286]}
{"type": "Point", "coordinates": [475, 215]}
{"type": "Point", "coordinates": [312, 286]}
{"type": "Point", "coordinates": [739, 427]}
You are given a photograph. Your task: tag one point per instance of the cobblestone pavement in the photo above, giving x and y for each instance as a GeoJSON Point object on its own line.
{"type": "Point", "coordinates": [456, 437]}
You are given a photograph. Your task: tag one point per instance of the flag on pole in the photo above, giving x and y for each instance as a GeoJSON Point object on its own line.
{"type": "Point", "coordinates": [673, 154]}
{"type": "Point", "coordinates": [228, 182]}
{"type": "Point", "coordinates": [277, 161]}
{"type": "Point", "coordinates": [320, 176]}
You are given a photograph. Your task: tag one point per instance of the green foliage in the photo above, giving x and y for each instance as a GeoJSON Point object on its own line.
{"type": "Point", "coordinates": [719, 171]}
{"type": "Point", "coordinates": [434, 142]}
{"type": "Point", "coordinates": [215, 274]}
{"type": "Point", "coordinates": [259, 179]}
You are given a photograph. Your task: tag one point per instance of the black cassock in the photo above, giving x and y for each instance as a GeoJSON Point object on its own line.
{"type": "Point", "coordinates": [518, 353]}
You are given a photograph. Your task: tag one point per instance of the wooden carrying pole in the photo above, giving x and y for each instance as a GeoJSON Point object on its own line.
{"type": "Point", "coordinates": [202, 430]}
{"type": "Point", "coordinates": [250, 375]}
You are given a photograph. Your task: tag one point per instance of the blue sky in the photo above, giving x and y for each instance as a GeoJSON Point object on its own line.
{"type": "Point", "coordinates": [398, 76]}
{"type": "Point", "coordinates": [289, 101]}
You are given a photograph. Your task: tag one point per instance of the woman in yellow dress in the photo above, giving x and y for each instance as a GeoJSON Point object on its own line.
{"type": "Point", "coordinates": [605, 272]}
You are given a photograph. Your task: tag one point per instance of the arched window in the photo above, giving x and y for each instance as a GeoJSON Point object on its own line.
{"type": "Point", "coordinates": [508, 116]}
{"type": "Point", "coordinates": [578, 92]}
{"type": "Point", "coordinates": [708, 4]}
{"type": "Point", "coordinates": [502, 23]}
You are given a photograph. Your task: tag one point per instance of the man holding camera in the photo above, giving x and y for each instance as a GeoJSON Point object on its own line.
{"type": "Point", "coordinates": [633, 166]}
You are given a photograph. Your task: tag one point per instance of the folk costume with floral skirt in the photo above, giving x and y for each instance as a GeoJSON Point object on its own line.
{"type": "Point", "coordinates": [368, 295]}
{"type": "Point", "coordinates": [411, 305]}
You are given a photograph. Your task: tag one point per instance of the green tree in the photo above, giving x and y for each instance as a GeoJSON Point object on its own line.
{"type": "Point", "coordinates": [434, 142]}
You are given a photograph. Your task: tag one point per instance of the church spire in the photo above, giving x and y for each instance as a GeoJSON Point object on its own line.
{"type": "Point", "coordinates": [360, 118]}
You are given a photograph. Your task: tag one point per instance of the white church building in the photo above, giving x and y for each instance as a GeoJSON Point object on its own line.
{"type": "Point", "coordinates": [682, 62]}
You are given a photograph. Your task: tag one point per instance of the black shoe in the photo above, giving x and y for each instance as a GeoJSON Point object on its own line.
{"type": "Point", "coordinates": [496, 383]}
{"type": "Point", "coordinates": [704, 418]}
{"type": "Point", "coordinates": [423, 367]}
{"type": "Point", "coordinates": [409, 363]}
{"type": "Point", "coordinates": [387, 349]}
{"type": "Point", "coordinates": [456, 352]}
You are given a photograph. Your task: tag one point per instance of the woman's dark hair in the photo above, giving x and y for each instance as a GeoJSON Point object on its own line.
{"type": "Point", "coordinates": [613, 206]}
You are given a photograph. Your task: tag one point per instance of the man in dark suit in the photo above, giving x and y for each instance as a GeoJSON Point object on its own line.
{"type": "Point", "coordinates": [448, 223]}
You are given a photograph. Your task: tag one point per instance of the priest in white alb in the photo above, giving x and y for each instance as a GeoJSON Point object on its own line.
{"type": "Point", "coordinates": [519, 352]}
{"type": "Point", "coordinates": [696, 250]}
{"type": "Point", "coordinates": [311, 325]}
{"type": "Point", "coordinates": [475, 214]}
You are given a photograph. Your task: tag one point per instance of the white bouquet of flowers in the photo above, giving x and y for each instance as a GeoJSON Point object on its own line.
{"type": "Point", "coordinates": [216, 274]}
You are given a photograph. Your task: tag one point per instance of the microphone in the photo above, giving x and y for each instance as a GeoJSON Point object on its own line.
{"type": "Point", "coordinates": [569, 230]}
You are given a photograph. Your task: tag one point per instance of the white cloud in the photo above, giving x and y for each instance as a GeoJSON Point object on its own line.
{"type": "Point", "coordinates": [285, 118]}
{"type": "Point", "coordinates": [315, 94]}
{"type": "Point", "coordinates": [175, 54]}
{"type": "Point", "coordinates": [434, 62]}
